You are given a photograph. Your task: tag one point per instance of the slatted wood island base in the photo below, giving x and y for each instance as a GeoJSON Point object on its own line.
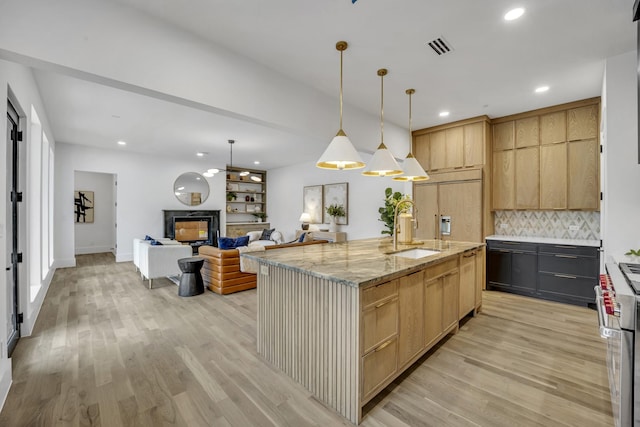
{"type": "Point", "coordinates": [347, 326]}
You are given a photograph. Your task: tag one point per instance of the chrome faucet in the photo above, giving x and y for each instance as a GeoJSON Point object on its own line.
{"type": "Point", "coordinates": [396, 228]}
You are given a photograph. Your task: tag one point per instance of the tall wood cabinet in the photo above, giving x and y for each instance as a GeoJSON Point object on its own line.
{"type": "Point", "coordinates": [455, 156]}
{"type": "Point", "coordinates": [547, 159]}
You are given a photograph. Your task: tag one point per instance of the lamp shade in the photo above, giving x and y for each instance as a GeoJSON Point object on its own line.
{"type": "Point", "coordinates": [382, 163]}
{"type": "Point", "coordinates": [340, 154]}
{"type": "Point", "coordinates": [305, 217]}
{"type": "Point", "coordinates": [413, 171]}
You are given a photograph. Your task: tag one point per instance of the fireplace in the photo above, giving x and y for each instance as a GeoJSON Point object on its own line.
{"type": "Point", "coordinates": [195, 228]}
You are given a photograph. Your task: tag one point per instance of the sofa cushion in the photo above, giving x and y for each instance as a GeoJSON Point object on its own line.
{"type": "Point", "coordinates": [254, 235]}
{"type": "Point", "coordinates": [231, 243]}
{"type": "Point", "coordinates": [266, 234]}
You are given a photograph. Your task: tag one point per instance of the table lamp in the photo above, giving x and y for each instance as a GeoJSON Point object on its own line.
{"type": "Point", "coordinates": [305, 218]}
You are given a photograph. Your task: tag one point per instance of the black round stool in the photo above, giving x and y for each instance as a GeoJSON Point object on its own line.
{"type": "Point", "coordinates": [191, 280]}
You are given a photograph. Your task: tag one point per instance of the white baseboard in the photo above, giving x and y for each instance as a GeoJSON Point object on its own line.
{"type": "Point", "coordinates": [64, 263]}
{"type": "Point", "coordinates": [5, 380]}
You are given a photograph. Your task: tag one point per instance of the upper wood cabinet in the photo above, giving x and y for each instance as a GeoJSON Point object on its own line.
{"type": "Point", "coordinates": [503, 136]}
{"type": "Point", "coordinates": [527, 132]}
{"type": "Point", "coordinates": [553, 127]}
{"type": "Point", "coordinates": [474, 142]}
{"type": "Point", "coordinates": [547, 158]}
{"type": "Point", "coordinates": [438, 150]}
{"type": "Point", "coordinates": [454, 147]}
{"type": "Point", "coordinates": [582, 123]}
{"type": "Point", "coordinates": [421, 151]}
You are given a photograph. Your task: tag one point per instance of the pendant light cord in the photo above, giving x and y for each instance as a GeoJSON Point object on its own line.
{"type": "Point", "coordinates": [382, 107]}
{"type": "Point", "coordinates": [341, 89]}
{"type": "Point", "coordinates": [410, 134]}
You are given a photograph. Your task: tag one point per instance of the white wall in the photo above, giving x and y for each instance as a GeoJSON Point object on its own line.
{"type": "Point", "coordinates": [20, 80]}
{"type": "Point", "coordinates": [366, 195]}
{"type": "Point", "coordinates": [98, 236]}
{"type": "Point", "coordinates": [621, 204]}
{"type": "Point", "coordinates": [144, 189]}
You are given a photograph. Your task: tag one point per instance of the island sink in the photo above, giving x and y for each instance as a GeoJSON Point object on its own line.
{"type": "Point", "coordinates": [416, 253]}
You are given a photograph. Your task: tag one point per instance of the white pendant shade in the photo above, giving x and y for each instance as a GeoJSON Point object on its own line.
{"type": "Point", "coordinates": [413, 171]}
{"type": "Point", "coordinates": [340, 154]}
{"type": "Point", "coordinates": [382, 163]}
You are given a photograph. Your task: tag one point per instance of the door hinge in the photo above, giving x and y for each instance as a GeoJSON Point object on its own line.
{"type": "Point", "coordinates": [16, 136]}
{"type": "Point", "coordinates": [16, 258]}
{"type": "Point", "coordinates": [20, 318]}
{"type": "Point", "coordinates": [16, 196]}
{"type": "Point", "coordinates": [601, 148]}
{"type": "Point", "coordinates": [601, 196]}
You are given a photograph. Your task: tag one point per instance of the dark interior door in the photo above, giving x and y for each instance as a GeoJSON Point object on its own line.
{"type": "Point", "coordinates": [13, 323]}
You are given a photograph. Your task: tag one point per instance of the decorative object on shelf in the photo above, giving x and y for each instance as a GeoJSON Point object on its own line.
{"type": "Point", "coordinates": [386, 212]}
{"type": "Point", "coordinates": [337, 194]}
{"type": "Point", "coordinates": [83, 206]}
{"type": "Point", "coordinates": [260, 215]}
{"type": "Point", "coordinates": [305, 219]}
{"type": "Point", "coordinates": [382, 163]}
{"type": "Point", "coordinates": [231, 196]}
{"type": "Point", "coordinates": [247, 198]}
{"type": "Point", "coordinates": [412, 169]}
{"type": "Point", "coordinates": [340, 154]}
{"type": "Point", "coordinates": [191, 189]}
{"type": "Point", "coordinates": [312, 203]}
{"type": "Point", "coordinates": [335, 211]}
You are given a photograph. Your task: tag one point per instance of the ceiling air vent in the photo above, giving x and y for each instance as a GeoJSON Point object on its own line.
{"type": "Point", "coordinates": [440, 46]}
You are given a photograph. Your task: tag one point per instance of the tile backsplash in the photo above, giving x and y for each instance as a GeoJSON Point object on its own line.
{"type": "Point", "coordinates": [554, 224]}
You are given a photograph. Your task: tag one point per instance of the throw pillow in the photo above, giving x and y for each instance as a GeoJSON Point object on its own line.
{"type": "Point", "coordinates": [147, 237]}
{"type": "Point", "coordinates": [254, 235]}
{"type": "Point", "coordinates": [301, 238]}
{"type": "Point", "coordinates": [156, 242]}
{"type": "Point", "coordinates": [266, 234]}
{"type": "Point", "coordinates": [308, 237]}
{"type": "Point", "coordinates": [242, 241]}
{"type": "Point", "coordinates": [231, 243]}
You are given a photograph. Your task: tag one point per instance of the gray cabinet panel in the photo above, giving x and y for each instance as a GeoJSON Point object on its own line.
{"type": "Point", "coordinates": [568, 264]}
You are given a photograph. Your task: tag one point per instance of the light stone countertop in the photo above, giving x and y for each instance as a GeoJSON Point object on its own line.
{"type": "Point", "coordinates": [358, 262]}
{"type": "Point", "coordinates": [547, 240]}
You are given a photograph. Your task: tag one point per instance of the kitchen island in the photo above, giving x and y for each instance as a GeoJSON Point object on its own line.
{"type": "Point", "coordinates": [345, 319]}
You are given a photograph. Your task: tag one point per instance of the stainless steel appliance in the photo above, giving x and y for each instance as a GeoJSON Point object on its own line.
{"type": "Point", "coordinates": [618, 303]}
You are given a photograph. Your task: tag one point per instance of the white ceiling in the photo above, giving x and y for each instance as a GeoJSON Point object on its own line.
{"type": "Point", "coordinates": [493, 69]}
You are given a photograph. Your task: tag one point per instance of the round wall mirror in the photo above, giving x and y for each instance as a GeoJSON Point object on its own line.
{"type": "Point", "coordinates": [191, 188]}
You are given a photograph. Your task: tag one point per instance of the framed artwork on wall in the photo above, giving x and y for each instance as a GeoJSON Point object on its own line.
{"type": "Point", "coordinates": [336, 194]}
{"type": "Point", "coordinates": [83, 206]}
{"type": "Point", "coordinates": [312, 203]}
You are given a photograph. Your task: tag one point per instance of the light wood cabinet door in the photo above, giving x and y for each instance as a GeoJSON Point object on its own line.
{"type": "Point", "coordinates": [582, 123]}
{"type": "Point", "coordinates": [481, 277]}
{"type": "Point", "coordinates": [378, 366]}
{"type": "Point", "coordinates": [527, 178]}
{"type": "Point", "coordinates": [462, 201]}
{"type": "Point", "coordinates": [454, 147]}
{"type": "Point", "coordinates": [584, 175]}
{"type": "Point", "coordinates": [426, 199]}
{"type": "Point", "coordinates": [437, 147]}
{"type": "Point", "coordinates": [503, 136]}
{"type": "Point", "coordinates": [450, 284]}
{"type": "Point", "coordinates": [553, 176]}
{"type": "Point", "coordinates": [432, 311]}
{"type": "Point", "coordinates": [467, 299]}
{"type": "Point", "coordinates": [527, 132]}
{"type": "Point", "coordinates": [503, 180]}
{"type": "Point", "coordinates": [379, 314]}
{"type": "Point", "coordinates": [421, 151]}
{"type": "Point", "coordinates": [474, 144]}
{"type": "Point", "coordinates": [553, 128]}
{"type": "Point", "coordinates": [411, 327]}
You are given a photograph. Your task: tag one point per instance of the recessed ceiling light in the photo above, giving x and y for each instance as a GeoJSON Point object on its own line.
{"type": "Point", "coordinates": [207, 174]}
{"type": "Point", "coordinates": [514, 14]}
{"type": "Point", "coordinates": [257, 162]}
{"type": "Point", "coordinates": [122, 143]}
{"type": "Point", "coordinates": [201, 154]}
{"type": "Point", "coordinates": [542, 89]}
{"type": "Point", "coordinates": [444, 113]}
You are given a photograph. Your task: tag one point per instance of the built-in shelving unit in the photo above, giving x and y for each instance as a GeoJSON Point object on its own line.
{"type": "Point", "coordinates": [246, 194]}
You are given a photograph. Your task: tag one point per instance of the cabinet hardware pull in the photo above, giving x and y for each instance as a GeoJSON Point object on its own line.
{"type": "Point", "coordinates": [511, 243]}
{"type": "Point", "coordinates": [504, 250]}
{"type": "Point", "coordinates": [470, 255]}
{"type": "Point", "coordinates": [565, 246]}
{"type": "Point", "coordinates": [517, 252]}
{"type": "Point", "coordinates": [382, 303]}
{"type": "Point", "coordinates": [566, 256]}
{"type": "Point", "coordinates": [383, 346]}
{"type": "Point", "coordinates": [565, 276]}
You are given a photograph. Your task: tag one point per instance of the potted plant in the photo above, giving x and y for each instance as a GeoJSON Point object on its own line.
{"type": "Point", "coordinates": [334, 211]}
{"type": "Point", "coordinates": [260, 215]}
{"type": "Point", "coordinates": [231, 196]}
{"type": "Point", "coordinates": [386, 212]}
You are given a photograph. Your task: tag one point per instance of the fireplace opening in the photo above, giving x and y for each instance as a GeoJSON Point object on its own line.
{"type": "Point", "coordinates": [193, 230]}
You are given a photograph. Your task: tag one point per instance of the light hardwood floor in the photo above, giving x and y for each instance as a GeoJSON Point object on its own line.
{"type": "Point", "coordinates": [107, 351]}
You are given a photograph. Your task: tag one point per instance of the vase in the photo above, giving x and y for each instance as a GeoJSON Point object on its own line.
{"type": "Point", "coordinates": [332, 224]}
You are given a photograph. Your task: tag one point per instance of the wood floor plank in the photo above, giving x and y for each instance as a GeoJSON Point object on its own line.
{"type": "Point", "coordinates": [107, 351]}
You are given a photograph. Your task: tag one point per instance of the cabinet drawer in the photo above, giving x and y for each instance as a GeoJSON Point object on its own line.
{"type": "Point", "coordinates": [569, 250]}
{"type": "Point", "coordinates": [379, 324]}
{"type": "Point", "coordinates": [375, 294]}
{"type": "Point", "coordinates": [378, 366]}
{"type": "Point", "coordinates": [515, 246]}
{"type": "Point", "coordinates": [567, 285]}
{"type": "Point", "coordinates": [568, 264]}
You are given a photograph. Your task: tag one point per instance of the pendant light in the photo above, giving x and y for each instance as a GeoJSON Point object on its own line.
{"type": "Point", "coordinates": [340, 154]}
{"type": "Point", "coordinates": [382, 163]}
{"type": "Point", "coordinates": [413, 171]}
